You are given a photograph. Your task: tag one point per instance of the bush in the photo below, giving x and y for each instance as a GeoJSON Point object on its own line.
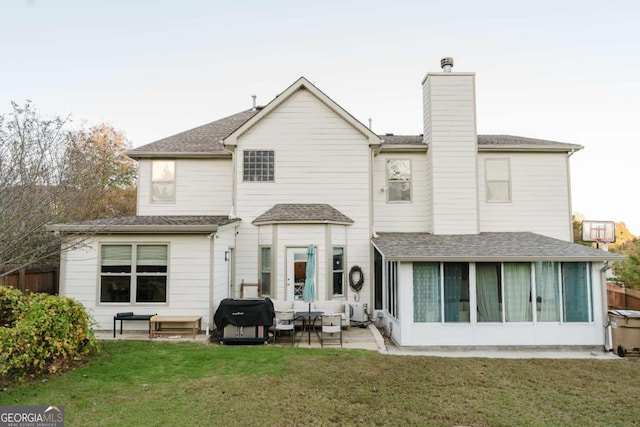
{"type": "Point", "coordinates": [40, 333]}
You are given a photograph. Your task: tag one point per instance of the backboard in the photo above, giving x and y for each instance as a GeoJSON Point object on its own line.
{"type": "Point", "coordinates": [599, 231]}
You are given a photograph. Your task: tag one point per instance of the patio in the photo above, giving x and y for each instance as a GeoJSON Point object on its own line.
{"type": "Point", "coordinates": [367, 338]}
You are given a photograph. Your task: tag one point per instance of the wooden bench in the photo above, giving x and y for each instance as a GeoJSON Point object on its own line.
{"type": "Point", "coordinates": [157, 321]}
{"type": "Point", "coordinates": [130, 316]}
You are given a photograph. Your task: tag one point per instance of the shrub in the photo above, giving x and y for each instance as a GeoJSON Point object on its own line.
{"type": "Point", "coordinates": [40, 333]}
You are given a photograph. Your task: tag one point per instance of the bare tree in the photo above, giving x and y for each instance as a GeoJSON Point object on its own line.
{"type": "Point", "coordinates": [49, 174]}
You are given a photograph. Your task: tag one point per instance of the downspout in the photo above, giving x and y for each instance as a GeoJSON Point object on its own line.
{"type": "Point", "coordinates": [608, 344]}
{"type": "Point", "coordinates": [569, 154]}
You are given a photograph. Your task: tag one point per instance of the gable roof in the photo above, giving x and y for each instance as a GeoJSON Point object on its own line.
{"type": "Point", "coordinates": [302, 214]}
{"type": "Point", "coordinates": [148, 224]}
{"type": "Point", "coordinates": [201, 141]}
{"type": "Point", "coordinates": [508, 246]}
{"type": "Point", "coordinates": [300, 84]}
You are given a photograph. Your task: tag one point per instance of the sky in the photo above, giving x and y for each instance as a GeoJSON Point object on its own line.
{"type": "Point", "coordinates": [561, 70]}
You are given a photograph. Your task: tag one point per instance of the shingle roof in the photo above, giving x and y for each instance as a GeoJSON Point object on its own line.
{"type": "Point", "coordinates": [488, 141]}
{"type": "Point", "coordinates": [514, 246]}
{"type": "Point", "coordinates": [143, 224]}
{"type": "Point", "coordinates": [303, 214]}
{"type": "Point", "coordinates": [520, 141]}
{"type": "Point", "coordinates": [202, 140]}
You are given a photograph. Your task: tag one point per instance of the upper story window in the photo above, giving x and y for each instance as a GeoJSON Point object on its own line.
{"type": "Point", "coordinates": [398, 181]}
{"type": "Point", "coordinates": [258, 166]}
{"type": "Point", "coordinates": [163, 181]}
{"type": "Point", "coordinates": [498, 180]}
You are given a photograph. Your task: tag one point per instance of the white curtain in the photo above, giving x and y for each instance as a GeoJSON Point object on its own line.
{"type": "Point", "coordinates": [426, 292]}
{"type": "Point", "coordinates": [547, 288]}
{"type": "Point", "coordinates": [517, 292]}
{"type": "Point", "coordinates": [487, 291]}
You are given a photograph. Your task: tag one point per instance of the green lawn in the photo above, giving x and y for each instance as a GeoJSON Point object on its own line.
{"type": "Point", "coordinates": [179, 384]}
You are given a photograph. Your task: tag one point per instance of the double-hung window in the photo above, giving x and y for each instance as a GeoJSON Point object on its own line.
{"type": "Point", "coordinates": [258, 166]}
{"type": "Point", "coordinates": [497, 180]}
{"type": "Point", "coordinates": [398, 181]}
{"type": "Point", "coordinates": [163, 181]}
{"type": "Point", "coordinates": [133, 274]}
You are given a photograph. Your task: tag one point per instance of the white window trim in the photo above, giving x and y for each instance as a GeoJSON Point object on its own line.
{"type": "Point", "coordinates": [175, 184]}
{"type": "Point", "coordinates": [132, 275]}
{"type": "Point", "coordinates": [344, 278]}
{"type": "Point", "coordinates": [386, 181]}
{"type": "Point", "coordinates": [259, 181]}
{"type": "Point", "coordinates": [487, 181]}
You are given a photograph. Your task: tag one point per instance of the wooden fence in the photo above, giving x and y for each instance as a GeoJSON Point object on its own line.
{"type": "Point", "coordinates": [34, 279]}
{"type": "Point", "coordinates": [620, 298]}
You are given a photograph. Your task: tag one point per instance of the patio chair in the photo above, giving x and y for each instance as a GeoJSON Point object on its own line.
{"type": "Point", "coordinates": [331, 328]}
{"type": "Point", "coordinates": [284, 321]}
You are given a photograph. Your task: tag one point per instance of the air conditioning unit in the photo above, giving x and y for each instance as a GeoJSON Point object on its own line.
{"type": "Point", "coordinates": [358, 313]}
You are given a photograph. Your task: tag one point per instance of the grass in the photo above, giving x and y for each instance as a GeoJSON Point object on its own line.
{"type": "Point", "coordinates": [147, 383]}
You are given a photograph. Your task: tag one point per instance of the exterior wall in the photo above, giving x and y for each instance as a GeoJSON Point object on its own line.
{"type": "Point", "coordinates": [539, 195]}
{"type": "Point", "coordinates": [400, 216]}
{"type": "Point", "coordinates": [189, 278]}
{"type": "Point", "coordinates": [407, 333]}
{"type": "Point", "coordinates": [203, 187]}
{"type": "Point", "coordinates": [223, 241]}
{"type": "Point", "coordinates": [319, 158]}
{"type": "Point", "coordinates": [300, 236]}
{"type": "Point", "coordinates": [450, 131]}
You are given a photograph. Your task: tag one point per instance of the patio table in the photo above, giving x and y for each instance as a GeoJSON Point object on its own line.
{"type": "Point", "coordinates": [308, 319]}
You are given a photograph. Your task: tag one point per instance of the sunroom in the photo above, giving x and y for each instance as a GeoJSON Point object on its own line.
{"type": "Point", "coordinates": [491, 289]}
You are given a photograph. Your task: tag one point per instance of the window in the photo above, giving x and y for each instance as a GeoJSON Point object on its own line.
{"type": "Point", "coordinates": [133, 273]}
{"type": "Point", "coordinates": [265, 271]}
{"type": "Point", "coordinates": [576, 292]}
{"type": "Point", "coordinates": [338, 271]}
{"type": "Point", "coordinates": [547, 291]}
{"type": "Point", "coordinates": [429, 284]}
{"type": "Point", "coordinates": [163, 181]}
{"type": "Point", "coordinates": [426, 292]}
{"type": "Point", "coordinates": [391, 303]}
{"type": "Point", "coordinates": [398, 181]}
{"type": "Point", "coordinates": [456, 292]}
{"type": "Point", "coordinates": [258, 166]}
{"type": "Point", "coordinates": [489, 292]}
{"type": "Point", "coordinates": [498, 181]}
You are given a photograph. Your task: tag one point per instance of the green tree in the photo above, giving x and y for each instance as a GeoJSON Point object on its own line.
{"type": "Point", "coordinates": [50, 174]}
{"type": "Point", "coordinates": [628, 271]}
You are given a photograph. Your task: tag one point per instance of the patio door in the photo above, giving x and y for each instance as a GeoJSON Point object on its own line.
{"type": "Point", "coordinates": [296, 272]}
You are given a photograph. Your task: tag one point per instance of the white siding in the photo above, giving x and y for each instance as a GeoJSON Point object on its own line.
{"type": "Point", "coordinates": [539, 195]}
{"type": "Point", "coordinates": [450, 129]}
{"type": "Point", "coordinates": [400, 216]}
{"type": "Point", "coordinates": [203, 187]}
{"type": "Point", "coordinates": [319, 158]}
{"type": "Point", "coordinates": [189, 278]}
{"type": "Point", "coordinates": [223, 242]}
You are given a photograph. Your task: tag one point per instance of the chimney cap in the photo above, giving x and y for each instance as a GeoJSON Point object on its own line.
{"type": "Point", "coordinates": [446, 64]}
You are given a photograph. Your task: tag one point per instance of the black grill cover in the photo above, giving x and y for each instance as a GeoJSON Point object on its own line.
{"type": "Point", "coordinates": [244, 312]}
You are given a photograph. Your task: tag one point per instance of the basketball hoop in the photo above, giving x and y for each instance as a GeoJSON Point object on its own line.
{"type": "Point", "coordinates": [602, 243]}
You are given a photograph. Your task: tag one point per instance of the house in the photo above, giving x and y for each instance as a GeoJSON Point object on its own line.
{"type": "Point", "coordinates": [449, 238]}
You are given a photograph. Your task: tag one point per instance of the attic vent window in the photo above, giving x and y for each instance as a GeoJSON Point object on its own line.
{"type": "Point", "coordinates": [258, 166]}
